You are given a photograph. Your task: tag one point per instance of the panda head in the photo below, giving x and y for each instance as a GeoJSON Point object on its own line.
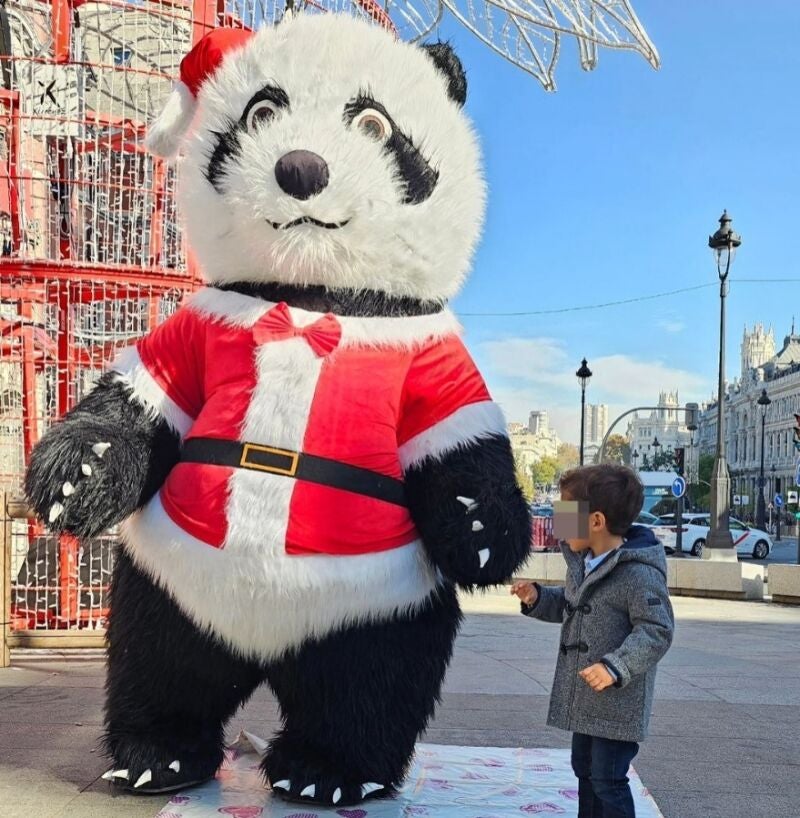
{"type": "Point", "coordinates": [326, 152]}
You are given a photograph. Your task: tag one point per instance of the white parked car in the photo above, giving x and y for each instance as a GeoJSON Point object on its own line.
{"type": "Point", "coordinates": [749, 542]}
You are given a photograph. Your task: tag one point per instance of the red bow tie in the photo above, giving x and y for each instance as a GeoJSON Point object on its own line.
{"type": "Point", "coordinates": [323, 335]}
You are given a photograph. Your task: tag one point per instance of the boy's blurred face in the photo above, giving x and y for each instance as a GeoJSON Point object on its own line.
{"type": "Point", "coordinates": [573, 523]}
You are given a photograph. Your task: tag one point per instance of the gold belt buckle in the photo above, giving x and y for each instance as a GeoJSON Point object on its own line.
{"type": "Point", "coordinates": [252, 447]}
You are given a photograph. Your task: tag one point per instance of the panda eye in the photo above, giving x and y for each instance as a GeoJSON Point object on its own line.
{"type": "Point", "coordinates": [373, 124]}
{"type": "Point", "coordinates": [260, 114]}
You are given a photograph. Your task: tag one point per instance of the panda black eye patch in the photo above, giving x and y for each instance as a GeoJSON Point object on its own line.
{"type": "Point", "coordinates": [418, 177]}
{"type": "Point", "coordinates": [269, 93]}
{"type": "Point", "coordinates": [228, 144]}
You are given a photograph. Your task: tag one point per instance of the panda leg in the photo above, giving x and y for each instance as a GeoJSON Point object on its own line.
{"type": "Point", "coordinates": [355, 702]}
{"type": "Point", "coordinates": [170, 689]}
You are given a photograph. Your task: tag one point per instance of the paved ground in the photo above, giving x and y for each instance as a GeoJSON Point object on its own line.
{"type": "Point", "coordinates": [724, 738]}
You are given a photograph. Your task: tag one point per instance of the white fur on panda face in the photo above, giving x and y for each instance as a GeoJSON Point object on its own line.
{"type": "Point", "coordinates": [321, 63]}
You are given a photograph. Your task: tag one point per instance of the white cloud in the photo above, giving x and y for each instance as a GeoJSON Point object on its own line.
{"type": "Point", "coordinates": [671, 325]}
{"type": "Point", "coordinates": [539, 373]}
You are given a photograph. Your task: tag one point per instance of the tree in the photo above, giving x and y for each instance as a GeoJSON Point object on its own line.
{"type": "Point", "coordinates": [524, 480]}
{"type": "Point", "coordinates": [544, 471]}
{"type": "Point", "coordinates": [567, 457]}
{"type": "Point", "coordinates": [617, 450]}
{"type": "Point", "coordinates": [700, 488]}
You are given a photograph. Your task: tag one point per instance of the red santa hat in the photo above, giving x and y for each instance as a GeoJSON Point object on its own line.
{"type": "Point", "coordinates": [165, 133]}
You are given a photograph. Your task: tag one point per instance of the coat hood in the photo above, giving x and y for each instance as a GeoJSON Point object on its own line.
{"type": "Point", "coordinates": [640, 545]}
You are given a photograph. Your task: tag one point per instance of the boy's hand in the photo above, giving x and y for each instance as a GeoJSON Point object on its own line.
{"type": "Point", "coordinates": [526, 591]}
{"type": "Point", "coordinates": [597, 676]}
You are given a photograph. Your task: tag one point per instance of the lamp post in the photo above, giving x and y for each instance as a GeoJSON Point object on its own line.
{"type": "Point", "coordinates": [719, 543]}
{"type": "Point", "coordinates": [635, 457]}
{"type": "Point", "coordinates": [761, 510]}
{"type": "Point", "coordinates": [583, 375]}
{"type": "Point", "coordinates": [777, 507]}
{"type": "Point", "coordinates": [656, 446]}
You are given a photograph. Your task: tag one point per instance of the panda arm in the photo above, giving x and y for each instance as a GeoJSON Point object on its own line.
{"type": "Point", "coordinates": [104, 459]}
{"type": "Point", "coordinates": [474, 521]}
{"type": "Point", "coordinates": [459, 469]}
{"type": "Point", "coordinates": [110, 454]}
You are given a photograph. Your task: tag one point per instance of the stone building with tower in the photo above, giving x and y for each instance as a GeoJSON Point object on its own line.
{"type": "Point", "coordinates": [536, 440]}
{"type": "Point", "coordinates": [666, 424]}
{"type": "Point", "coordinates": [762, 368]}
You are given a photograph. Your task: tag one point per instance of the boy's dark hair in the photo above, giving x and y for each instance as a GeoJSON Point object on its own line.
{"type": "Point", "coordinates": [609, 488]}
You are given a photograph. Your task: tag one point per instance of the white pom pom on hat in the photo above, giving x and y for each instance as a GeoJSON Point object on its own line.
{"type": "Point", "coordinates": [166, 132]}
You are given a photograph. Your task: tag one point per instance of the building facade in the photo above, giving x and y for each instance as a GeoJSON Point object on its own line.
{"type": "Point", "coordinates": [533, 442]}
{"type": "Point", "coordinates": [667, 424]}
{"type": "Point", "coordinates": [779, 374]}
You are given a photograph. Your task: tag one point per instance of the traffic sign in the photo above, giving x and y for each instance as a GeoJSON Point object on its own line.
{"type": "Point", "coordinates": [678, 487]}
{"type": "Point", "coordinates": [797, 473]}
{"type": "Point", "coordinates": [745, 499]}
{"type": "Point", "coordinates": [778, 500]}
{"type": "Point", "coordinates": [737, 500]}
{"type": "Point", "coordinates": [791, 496]}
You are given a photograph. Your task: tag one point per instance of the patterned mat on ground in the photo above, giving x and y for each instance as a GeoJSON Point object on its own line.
{"type": "Point", "coordinates": [445, 782]}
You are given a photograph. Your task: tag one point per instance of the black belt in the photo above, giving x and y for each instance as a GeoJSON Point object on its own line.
{"type": "Point", "coordinates": [217, 452]}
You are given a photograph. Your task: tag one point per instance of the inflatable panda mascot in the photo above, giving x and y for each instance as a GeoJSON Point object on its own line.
{"type": "Point", "coordinates": [305, 461]}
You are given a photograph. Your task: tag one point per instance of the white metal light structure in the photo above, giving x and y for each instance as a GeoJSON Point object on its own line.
{"type": "Point", "coordinates": [527, 33]}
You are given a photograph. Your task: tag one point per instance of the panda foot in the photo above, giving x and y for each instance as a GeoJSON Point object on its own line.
{"type": "Point", "coordinates": [299, 780]}
{"type": "Point", "coordinates": [143, 769]}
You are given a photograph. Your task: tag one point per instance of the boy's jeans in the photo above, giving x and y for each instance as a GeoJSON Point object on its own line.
{"type": "Point", "coordinates": [601, 766]}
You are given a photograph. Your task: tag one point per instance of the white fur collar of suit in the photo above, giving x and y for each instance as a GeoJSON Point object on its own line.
{"type": "Point", "coordinates": [243, 311]}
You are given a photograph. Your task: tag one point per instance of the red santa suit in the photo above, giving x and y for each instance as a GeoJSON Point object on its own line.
{"type": "Point", "coordinates": [374, 394]}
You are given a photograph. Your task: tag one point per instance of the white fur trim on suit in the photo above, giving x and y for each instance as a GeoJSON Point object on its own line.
{"type": "Point", "coordinates": [166, 132]}
{"type": "Point", "coordinates": [262, 602]}
{"type": "Point", "coordinates": [244, 310]}
{"type": "Point", "coordinates": [144, 388]}
{"type": "Point", "coordinates": [464, 426]}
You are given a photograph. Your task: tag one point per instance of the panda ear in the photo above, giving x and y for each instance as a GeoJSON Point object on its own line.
{"type": "Point", "coordinates": [446, 62]}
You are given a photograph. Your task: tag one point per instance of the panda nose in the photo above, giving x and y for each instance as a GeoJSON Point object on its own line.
{"type": "Point", "coordinates": [301, 174]}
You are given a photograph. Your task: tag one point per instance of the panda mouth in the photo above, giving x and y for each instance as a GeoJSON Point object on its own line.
{"type": "Point", "coordinates": [309, 220]}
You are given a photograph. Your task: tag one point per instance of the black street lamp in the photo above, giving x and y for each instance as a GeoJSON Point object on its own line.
{"type": "Point", "coordinates": [776, 507]}
{"type": "Point", "coordinates": [719, 543]}
{"type": "Point", "coordinates": [635, 457]}
{"type": "Point", "coordinates": [763, 402]}
{"type": "Point", "coordinates": [583, 375]}
{"type": "Point", "coordinates": [656, 446]}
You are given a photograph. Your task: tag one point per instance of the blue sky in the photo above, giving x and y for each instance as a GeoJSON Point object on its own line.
{"type": "Point", "coordinates": [608, 188]}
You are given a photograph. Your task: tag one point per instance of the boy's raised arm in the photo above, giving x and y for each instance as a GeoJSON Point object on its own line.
{"type": "Point", "coordinates": [650, 613]}
{"type": "Point", "coordinates": [549, 604]}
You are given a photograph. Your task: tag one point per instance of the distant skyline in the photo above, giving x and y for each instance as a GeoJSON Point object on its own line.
{"type": "Point", "coordinates": [609, 188]}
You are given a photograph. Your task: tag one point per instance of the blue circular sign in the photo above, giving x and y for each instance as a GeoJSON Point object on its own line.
{"type": "Point", "coordinates": [678, 487]}
{"type": "Point", "coordinates": [778, 500]}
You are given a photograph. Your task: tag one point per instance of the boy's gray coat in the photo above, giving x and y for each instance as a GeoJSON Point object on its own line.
{"type": "Point", "coordinates": [619, 614]}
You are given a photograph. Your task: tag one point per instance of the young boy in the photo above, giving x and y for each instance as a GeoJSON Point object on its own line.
{"type": "Point", "coordinates": [617, 623]}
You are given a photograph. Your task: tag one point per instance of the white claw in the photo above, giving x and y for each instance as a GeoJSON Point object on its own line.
{"type": "Point", "coordinates": [366, 789]}
{"type": "Point", "coordinates": [337, 795]}
{"type": "Point", "coordinates": [120, 774]}
{"type": "Point", "coordinates": [310, 791]}
{"type": "Point", "coordinates": [483, 556]}
{"type": "Point", "coordinates": [144, 778]}
{"type": "Point", "coordinates": [468, 502]}
{"type": "Point", "coordinates": [100, 449]}
{"type": "Point", "coordinates": [477, 525]}
{"type": "Point", "coordinates": [67, 489]}
{"type": "Point", "coordinates": [86, 469]}
{"type": "Point", "coordinates": [175, 766]}
{"type": "Point", "coordinates": [56, 510]}
{"type": "Point", "coordinates": [107, 776]}
{"type": "Point", "coordinates": [283, 784]}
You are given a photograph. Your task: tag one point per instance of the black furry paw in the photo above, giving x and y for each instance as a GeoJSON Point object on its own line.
{"type": "Point", "coordinates": [143, 770]}
{"type": "Point", "coordinates": [483, 542]}
{"type": "Point", "coordinates": [67, 483]}
{"type": "Point", "coordinates": [305, 780]}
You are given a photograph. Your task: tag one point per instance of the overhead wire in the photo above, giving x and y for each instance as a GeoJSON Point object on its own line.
{"type": "Point", "coordinates": [626, 300]}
